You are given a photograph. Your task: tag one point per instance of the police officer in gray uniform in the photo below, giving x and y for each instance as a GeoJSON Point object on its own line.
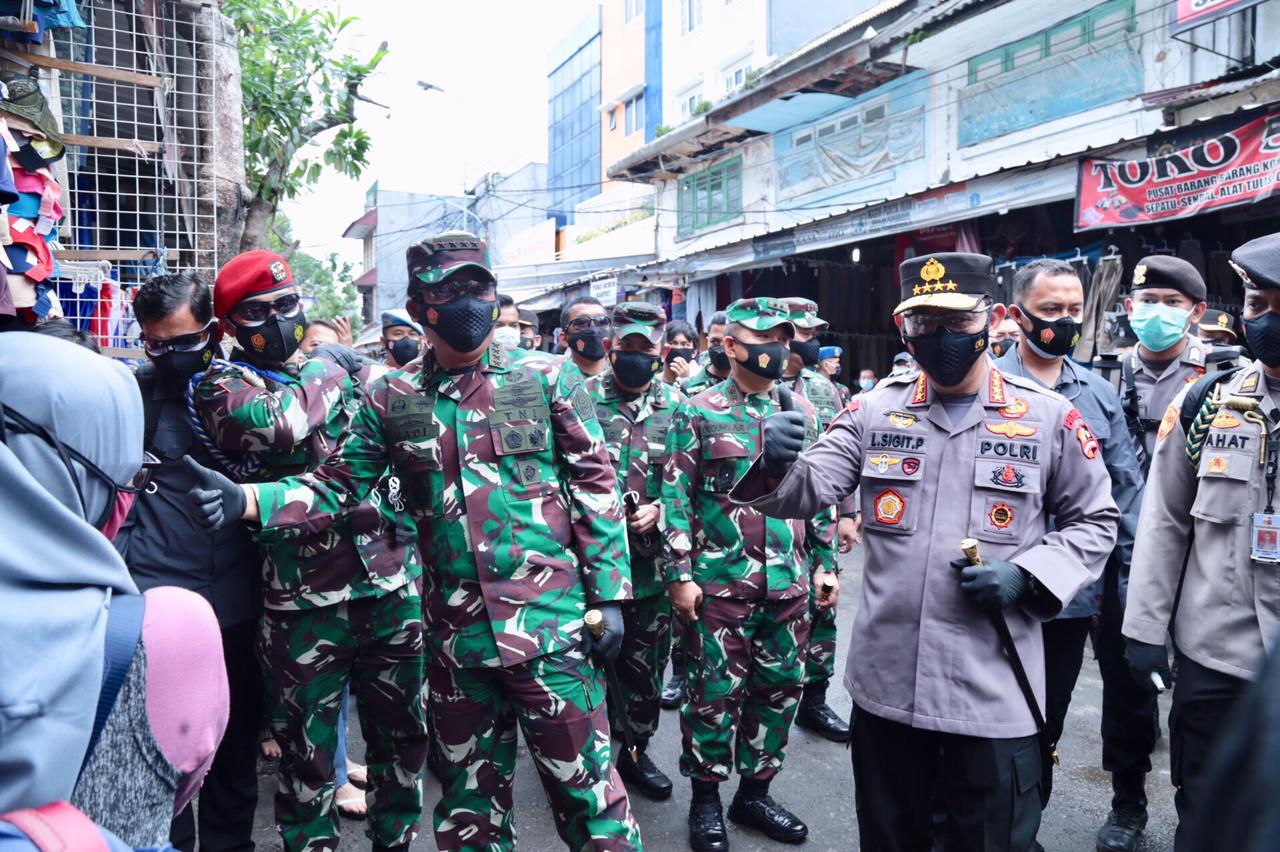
{"type": "Point", "coordinates": [1048, 309]}
{"type": "Point", "coordinates": [1208, 538]}
{"type": "Point", "coordinates": [1165, 308]}
{"type": "Point", "coordinates": [956, 451]}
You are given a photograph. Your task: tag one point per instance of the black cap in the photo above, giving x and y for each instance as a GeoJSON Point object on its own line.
{"type": "Point", "coordinates": [1257, 262]}
{"type": "Point", "coordinates": [1218, 321]}
{"type": "Point", "coordinates": [1169, 273]}
{"type": "Point", "coordinates": [957, 281]}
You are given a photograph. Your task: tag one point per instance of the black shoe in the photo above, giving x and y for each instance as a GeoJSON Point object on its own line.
{"type": "Point", "coordinates": [819, 718]}
{"type": "Point", "coordinates": [673, 692]}
{"type": "Point", "coordinates": [707, 832]}
{"type": "Point", "coordinates": [1121, 831]}
{"type": "Point", "coordinates": [773, 819]}
{"type": "Point", "coordinates": [642, 775]}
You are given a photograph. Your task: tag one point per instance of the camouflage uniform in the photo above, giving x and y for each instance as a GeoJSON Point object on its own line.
{"type": "Point", "coordinates": [504, 469]}
{"type": "Point", "coordinates": [635, 432]}
{"type": "Point", "coordinates": [745, 651]}
{"type": "Point", "coordinates": [342, 604]}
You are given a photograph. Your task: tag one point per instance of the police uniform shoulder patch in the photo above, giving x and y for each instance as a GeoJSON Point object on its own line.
{"type": "Point", "coordinates": [995, 387]}
{"type": "Point", "coordinates": [920, 394]}
{"type": "Point", "coordinates": [1250, 383]}
{"type": "Point", "coordinates": [889, 507]}
{"type": "Point", "coordinates": [1167, 422]}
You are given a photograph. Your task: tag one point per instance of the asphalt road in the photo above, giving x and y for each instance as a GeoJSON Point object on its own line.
{"type": "Point", "coordinates": [817, 782]}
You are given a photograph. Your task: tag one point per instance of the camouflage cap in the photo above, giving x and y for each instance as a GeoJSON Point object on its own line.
{"type": "Point", "coordinates": [760, 314]}
{"type": "Point", "coordinates": [804, 314]}
{"type": "Point", "coordinates": [434, 259]}
{"type": "Point", "coordinates": [639, 318]}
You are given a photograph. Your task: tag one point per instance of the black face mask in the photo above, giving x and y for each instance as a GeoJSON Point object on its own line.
{"type": "Point", "coordinates": [683, 352]}
{"type": "Point", "coordinates": [275, 341]}
{"type": "Point", "coordinates": [177, 368]}
{"type": "Point", "coordinates": [1263, 336]}
{"type": "Point", "coordinates": [999, 347]}
{"type": "Point", "coordinates": [808, 351]}
{"type": "Point", "coordinates": [463, 323]}
{"type": "Point", "coordinates": [766, 360]}
{"type": "Point", "coordinates": [719, 359]}
{"type": "Point", "coordinates": [588, 344]}
{"type": "Point", "coordinates": [526, 343]}
{"type": "Point", "coordinates": [1051, 339]}
{"type": "Point", "coordinates": [404, 349]}
{"type": "Point", "coordinates": [635, 370]}
{"type": "Point", "coordinates": [947, 356]}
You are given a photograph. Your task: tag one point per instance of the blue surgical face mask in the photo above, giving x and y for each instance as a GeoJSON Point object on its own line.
{"type": "Point", "coordinates": [1158, 327]}
{"type": "Point", "coordinates": [866, 384]}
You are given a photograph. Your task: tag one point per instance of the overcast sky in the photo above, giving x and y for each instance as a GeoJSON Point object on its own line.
{"type": "Point", "coordinates": [489, 56]}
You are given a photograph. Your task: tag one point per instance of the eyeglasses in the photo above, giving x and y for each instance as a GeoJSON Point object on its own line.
{"type": "Point", "coordinates": [586, 323]}
{"type": "Point", "coordinates": [142, 479]}
{"type": "Point", "coordinates": [968, 322]}
{"type": "Point", "coordinates": [256, 313]}
{"type": "Point", "coordinates": [155, 347]}
{"type": "Point", "coordinates": [452, 288]}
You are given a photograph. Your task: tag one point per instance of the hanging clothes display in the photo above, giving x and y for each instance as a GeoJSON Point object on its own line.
{"type": "Point", "coordinates": [1105, 290]}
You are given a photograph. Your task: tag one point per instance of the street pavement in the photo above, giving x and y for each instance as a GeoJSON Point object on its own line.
{"type": "Point", "coordinates": [817, 781]}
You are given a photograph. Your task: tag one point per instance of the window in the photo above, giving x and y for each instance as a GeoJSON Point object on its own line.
{"type": "Point", "coordinates": [613, 118]}
{"type": "Point", "coordinates": [689, 103]}
{"type": "Point", "coordinates": [690, 15]}
{"type": "Point", "coordinates": [1106, 20]}
{"type": "Point", "coordinates": [802, 138]}
{"type": "Point", "coordinates": [850, 122]}
{"type": "Point", "coordinates": [632, 9]}
{"type": "Point", "coordinates": [826, 130]}
{"type": "Point", "coordinates": [634, 111]}
{"type": "Point", "coordinates": [875, 113]}
{"type": "Point", "coordinates": [734, 79]}
{"type": "Point", "coordinates": [710, 197]}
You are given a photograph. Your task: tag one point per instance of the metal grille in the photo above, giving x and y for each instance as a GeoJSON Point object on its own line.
{"type": "Point", "coordinates": [135, 97]}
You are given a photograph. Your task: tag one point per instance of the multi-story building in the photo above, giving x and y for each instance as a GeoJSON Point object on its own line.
{"type": "Point", "coordinates": [391, 222]}
{"type": "Point", "coordinates": [507, 205]}
{"type": "Point", "coordinates": [573, 118]}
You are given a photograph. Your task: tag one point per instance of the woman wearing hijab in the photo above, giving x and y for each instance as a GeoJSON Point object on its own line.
{"type": "Point", "coordinates": [70, 443]}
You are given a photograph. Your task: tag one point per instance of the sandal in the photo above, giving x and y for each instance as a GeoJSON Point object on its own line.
{"type": "Point", "coordinates": [357, 775]}
{"type": "Point", "coordinates": [350, 802]}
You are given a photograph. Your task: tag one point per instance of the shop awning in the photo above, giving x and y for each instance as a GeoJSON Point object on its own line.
{"type": "Point", "coordinates": [362, 227]}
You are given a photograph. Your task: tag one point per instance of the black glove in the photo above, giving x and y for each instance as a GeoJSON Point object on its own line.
{"type": "Point", "coordinates": [344, 356]}
{"type": "Point", "coordinates": [783, 436]}
{"type": "Point", "coordinates": [609, 644]}
{"type": "Point", "coordinates": [1144, 661]}
{"type": "Point", "coordinates": [993, 584]}
{"type": "Point", "coordinates": [214, 501]}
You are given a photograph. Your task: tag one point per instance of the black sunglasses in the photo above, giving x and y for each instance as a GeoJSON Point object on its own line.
{"type": "Point", "coordinates": [156, 347]}
{"type": "Point", "coordinates": [255, 313]}
{"type": "Point", "coordinates": [584, 323]}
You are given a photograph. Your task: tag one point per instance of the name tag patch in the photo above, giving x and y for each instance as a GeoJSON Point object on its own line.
{"type": "Point", "coordinates": [897, 441]}
{"type": "Point", "coordinates": [1023, 450]}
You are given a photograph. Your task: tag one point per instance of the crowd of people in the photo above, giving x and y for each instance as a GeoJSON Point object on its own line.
{"type": "Point", "coordinates": [208, 558]}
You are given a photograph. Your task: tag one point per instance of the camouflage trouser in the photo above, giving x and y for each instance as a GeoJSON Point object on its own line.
{"type": "Point", "coordinates": [820, 652]}
{"type": "Point", "coordinates": [746, 670]}
{"type": "Point", "coordinates": [646, 641]}
{"type": "Point", "coordinates": [309, 657]}
{"type": "Point", "coordinates": [558, 701]}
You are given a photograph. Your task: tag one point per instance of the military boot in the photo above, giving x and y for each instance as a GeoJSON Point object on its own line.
{"type": "Point", "coordinates": [673, 692]}
{"type": "Point", "coordinates": [1128, 815]}
{"type": "Point", "coordinates": [815, 715]}
{"type": "Point", "coordinates": [643, 775]}
{"type": "Point", "coordinates": [753, 806]}
{"type": "Point", "coordinates": [707, 831]}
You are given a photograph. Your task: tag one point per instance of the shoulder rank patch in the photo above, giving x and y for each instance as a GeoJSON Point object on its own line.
{"type": "Point", "coordinates": [1226, 420]}
{"type": "Point", "coordinates": [995, 387]}
{"type": "Point", "coordinates": [1073, 417]}
{"type": "Point", "coordinates": [1015, 409]}
{"type": "Point", "coordinates": [1167, 422]}
{"type": "Point", "coordinates": [920, 395]}
{"type": "Point", "coordinates": [901, 419]}
{"type": "Point", "coordinates": [1250, 383]}
{"type": "Point", "coordinates": [1011, 429]}
{"type": "Point", "coordinates": [889, 507]}
{"type": "Point", "coordinates": [1088, 443]}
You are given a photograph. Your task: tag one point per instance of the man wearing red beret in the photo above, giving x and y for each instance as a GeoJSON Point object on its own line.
{"type": "Point", "coordinates": [341, 597]}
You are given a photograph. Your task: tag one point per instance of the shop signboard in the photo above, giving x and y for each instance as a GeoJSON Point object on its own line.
{"type": "Point", "coordinates": [605, 291]}
{"type": "Point", "coordinates": [1189, 14]}
{"type": "Point", "coordinates": [1238, 166]}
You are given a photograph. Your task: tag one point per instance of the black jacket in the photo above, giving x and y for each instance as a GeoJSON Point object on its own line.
{"type": "Point", "coordinates": [161, 543]}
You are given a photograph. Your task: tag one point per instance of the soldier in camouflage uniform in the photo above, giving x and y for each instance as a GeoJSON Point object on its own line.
{"type": "Point", "coordinates": [502, 463]}
{"type": "Point", "coordinates": [820, 655]}
{"type": "Point", "coordinates": [741, 583]}
{"type": "Point", "coordinates": [635, 408]}
{"type": "Point", "coordinates": [342, 603]}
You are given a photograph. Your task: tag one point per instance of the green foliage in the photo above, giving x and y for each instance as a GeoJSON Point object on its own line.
{"type": "Point", "coordinates": [328, 281]}
{"type": "Point", "coordinates": [702, 107]}
{"type": "Point", "coordinates": [295, 89]}
{"type": "Point", "coordinates": [752, 80]}
{"type": "Point", "coordinates": [661, 130]}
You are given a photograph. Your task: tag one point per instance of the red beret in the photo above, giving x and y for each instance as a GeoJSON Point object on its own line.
{"type": "Point", "coordinates": [247, 275]}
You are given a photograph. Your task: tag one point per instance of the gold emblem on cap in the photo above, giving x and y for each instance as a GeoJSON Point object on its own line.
{"type": "Point", "coordinates": [277, 272]}
{"type": "Point", "coordinates": [1140, 274]}
{"type": "Point", "coordinates": [932, 273]}
{"type": "Point", "coordinates": [1244, 276]}
{"type": "Point", "coordinates": [1224, 320]}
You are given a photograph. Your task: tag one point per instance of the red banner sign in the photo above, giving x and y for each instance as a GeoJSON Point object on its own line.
{"type": "Point", "coordinates": [1188, 14]}
{"type": "Point", "coordinates": [1236, 167]}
